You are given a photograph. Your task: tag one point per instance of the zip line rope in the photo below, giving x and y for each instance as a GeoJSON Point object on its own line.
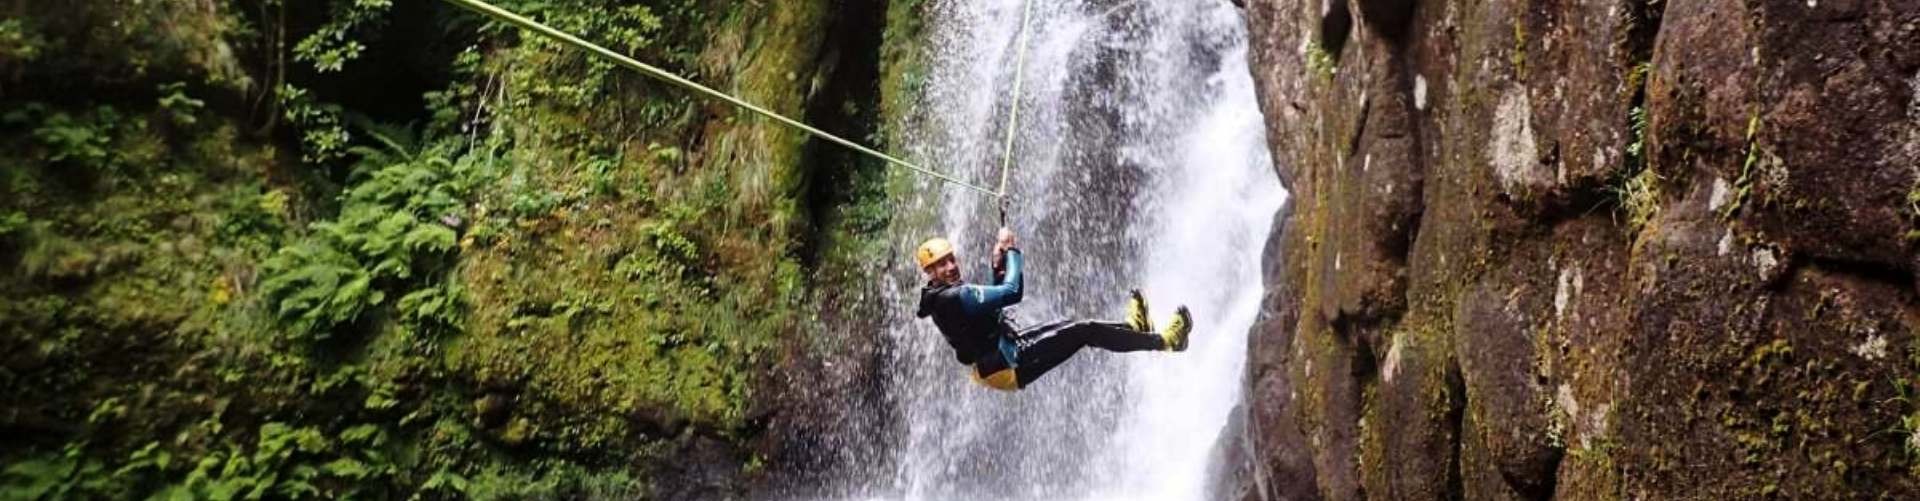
{"type": "Point", "coordinates": [1013, 99]}
{"type": "Point", "coordinates": [489, 10]}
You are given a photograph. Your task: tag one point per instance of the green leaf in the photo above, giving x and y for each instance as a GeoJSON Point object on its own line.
{"type": "Point", "coordinates": [262, 485]}
{"type": "Point", "coordinates": [361, 433]}
{"type": "Point", "coordinates": [41, 477]}
{"type": "Point", "coordinates": [431, 237]}
{"type": "Point", "coordinates": [177, 492]}
{"type": "Point", "coordinates": [347, 468]}
{"type": "Point", "coordinates": [298, 489]}
{"type": "Point", "coordinates": [223, 491]}
{"type": "Point", "coordinates": [350, 295]}
{"type": "Point", "coordinates": [447, 479]}
{"type": "Point", "coordinates": [310, 440]}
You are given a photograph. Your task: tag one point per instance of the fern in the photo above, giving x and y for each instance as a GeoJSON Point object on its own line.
{"type": "Point", "coordinates": [289, 462]}
{"type": "Point", "coordinates": [315, 286]}
{"type": "Point", "coordinates": [400, 141]}
{"type": "Point", "coordinates": [393, 227]}
{"type": "Point", "coordinates": [174, 99]}
{"type": "Point", "coordinates": [432, 306]}
{"type": "Point", "coordinates": [68, 474]}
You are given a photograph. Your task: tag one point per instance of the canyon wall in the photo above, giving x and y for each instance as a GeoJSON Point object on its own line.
{"type": "Point", "coordinates": [1591, 250]}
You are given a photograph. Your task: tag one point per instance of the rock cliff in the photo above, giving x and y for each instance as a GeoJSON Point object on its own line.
{"type": "Point", "coordinates": [1590, 250]}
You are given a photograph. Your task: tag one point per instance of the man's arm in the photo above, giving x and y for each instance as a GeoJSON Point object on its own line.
{"type": "Point", "coordinates": [1008, 287]}
{"type": "Point", "coordinates": [978, 299]}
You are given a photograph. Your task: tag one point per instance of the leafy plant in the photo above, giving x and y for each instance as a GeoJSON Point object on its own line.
{"type": "Point", "coordinates": [634, 25]}
{"type": "Point", "coordinates": [531, 202]}
{"type": "Point", "coordinates": [314, 286]}
{"type": "Point", "coordinates": [668, 255]}
{"type": "Point", "coordinates": [249, 216]}
{"type": "Point", "coordinates": [1637, 75]}
{"type": "Point", "coordinates": [289, 462]}
{"type": "Point", "coordinates": [600, 172]}
{"type": "Point", "coordinates": [437, 306]}
{"type": "Point", "coordinates": [1913, 199]}
{"type": "Point", "coordinates": [12, 223]}
{"type": "Point", "coordinates": [174, 99]}
{"type": "Point", "coordinates": [323, 137]}
{"type": "Point", "coordinates": [1636, 189]}
{"type": "Point", "coordinates": [1519, 56]}
{"type": "Point", "coordinates": [69, 474]}
{"type": "Point", "coordinates": [1319, 61]}
{"type": "Point", "coordinates": [329, 279]}
{"type": "Point", "coordinates": [1639, 197]}
{"type": "Point", "coordinates": [1637, 148]}
{"type": "Point", "coordinates": [84, 140]}
{"type": "Point", "coordinates": [1743, 185]}
{"type": "Point", "coordinates": [20, 43]}
{"type": "Point", "coordinates": [547, 480]}
{"type": "Point", "coordinates": [394, 223]}
{"type": "Point", "coordinates": [332, 46]}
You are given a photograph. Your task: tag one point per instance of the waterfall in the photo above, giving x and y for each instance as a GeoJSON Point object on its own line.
{"type": "Point", "coordinates": [1141, 162]}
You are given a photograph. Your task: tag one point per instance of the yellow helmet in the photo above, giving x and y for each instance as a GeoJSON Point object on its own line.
{"type": "Point", "coordinates": [932, 251]}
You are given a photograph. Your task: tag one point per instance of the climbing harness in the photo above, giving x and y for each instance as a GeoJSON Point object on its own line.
{"type": "Point", "coordinates": [490, 10]}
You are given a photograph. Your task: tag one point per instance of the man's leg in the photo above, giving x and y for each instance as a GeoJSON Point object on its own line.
{"type": "Point", "coordinates": [1045, 347]}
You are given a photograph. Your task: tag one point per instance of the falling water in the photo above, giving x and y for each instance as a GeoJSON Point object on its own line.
{"type": "Point", "coordinates": [1140, 163]}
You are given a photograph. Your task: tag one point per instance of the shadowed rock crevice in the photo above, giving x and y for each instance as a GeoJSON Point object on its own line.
{"type": "Point", "coordinates": [1389, 18]}
{"type": "Point", "coordinates": [1456, 425]}
{"type": "Point", "coordinates": [1336, 24]}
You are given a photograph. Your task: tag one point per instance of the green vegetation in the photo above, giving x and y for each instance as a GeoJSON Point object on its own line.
{"type": "Point", "coordinates": [1319, 62]}
{"type": "Point", "coordinates": [323, 136]}
{"type": "Point", "coordinates": [392, 232]}
{"type": "Point", "coordinates": [1913, 199]}
{"type": "Point", "coordinates": [1906, 430]}
{"type": "Point", "coordinates": [1519, 56]}
{"type": "Point", "coordinates": [258, 285]}
{"type": "Point", "coordinates": [20, 43]}
{"type": "Point", "coordinates": [337, 41]}
{"type": "Point", "coordinates": [1636, 188]}
{"type": "Point", "coordinates": [1639, 196]}
{"type": "Point", "coordinates": [1743, 185]}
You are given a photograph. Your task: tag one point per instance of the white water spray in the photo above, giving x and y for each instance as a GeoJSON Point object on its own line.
{"type": "Point", "coordinates": [1141, 162]}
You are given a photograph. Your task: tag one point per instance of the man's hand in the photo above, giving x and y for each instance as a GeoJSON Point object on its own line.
{"type": "Point", "coordinates": [1001, 243]}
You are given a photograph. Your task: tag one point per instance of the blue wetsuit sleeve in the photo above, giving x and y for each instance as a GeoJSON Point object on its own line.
{"type": "Point", "coordinates": [978, 299]}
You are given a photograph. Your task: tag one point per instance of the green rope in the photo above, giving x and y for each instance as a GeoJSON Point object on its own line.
{"type": "Point", "coordinates": [1013, 114]}
{"type": "Point", "coordinates": [563, 37]}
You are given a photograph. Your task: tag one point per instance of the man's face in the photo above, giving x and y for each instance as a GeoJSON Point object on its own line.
{"type": "Point", "coordinates": [945, 271]}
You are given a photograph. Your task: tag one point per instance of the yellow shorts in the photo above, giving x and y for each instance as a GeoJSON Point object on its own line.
{"type": "Point", "coordinates": [1004, 380]}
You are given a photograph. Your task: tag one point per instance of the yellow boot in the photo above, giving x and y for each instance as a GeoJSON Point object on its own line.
{"type": "Point", "coordinates": [1177, 330]}
{"type": "Point", "coordinates": [1137, 318]}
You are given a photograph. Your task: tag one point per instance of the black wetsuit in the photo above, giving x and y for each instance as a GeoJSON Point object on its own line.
{"type": "Point", "coordinates": [972, 319]}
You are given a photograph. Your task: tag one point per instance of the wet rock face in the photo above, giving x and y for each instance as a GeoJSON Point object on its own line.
{"type": "Point", "coordinates": [1587, 249]}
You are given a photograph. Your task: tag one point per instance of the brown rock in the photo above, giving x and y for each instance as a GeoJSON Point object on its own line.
{"type": "Point", "coordinates": [1506, 390]}
{"type": "Point", "coordinates": [1807, 118]}
{"type": "Point", "coordinates": [1714, 305]}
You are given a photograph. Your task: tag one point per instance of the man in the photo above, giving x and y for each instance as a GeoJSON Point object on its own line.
{"type": "Point", "coordinates": [1004, 358]}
